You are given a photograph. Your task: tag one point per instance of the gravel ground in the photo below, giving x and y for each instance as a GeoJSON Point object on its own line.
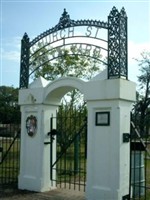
{"type": "Point", "coordinates": [58, 194]}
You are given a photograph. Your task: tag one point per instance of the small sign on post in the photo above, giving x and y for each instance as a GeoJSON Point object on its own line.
{"type": "Point", "coordinates": [102, 119]}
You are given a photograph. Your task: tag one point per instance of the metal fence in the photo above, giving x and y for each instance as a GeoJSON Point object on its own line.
{"type": "Point", "coordinates": [70, 163]}
{"type": "Point", "coordinates": [9, 154]}
{"type": "Point", "coordinates": [139, 164]}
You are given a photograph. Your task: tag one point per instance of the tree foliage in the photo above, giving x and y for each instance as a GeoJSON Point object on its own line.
{"type": "Point", "coordinates": [142, 107]}
{"type": "Point", "coordinates": [66, 64]}
{"type": "Point", "coordinates": [9, 109]}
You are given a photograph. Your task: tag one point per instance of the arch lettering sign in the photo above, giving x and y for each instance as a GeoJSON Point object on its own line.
{"type": "Point", "coordinates": [104, 41]}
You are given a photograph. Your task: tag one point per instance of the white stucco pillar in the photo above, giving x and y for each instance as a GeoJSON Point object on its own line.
{"type": "Point", "coordinates": [108, 156]}
{"type": "Point", "coordinates": [40, 101]}
{"type": "Point", "coordinates": [35, 155]}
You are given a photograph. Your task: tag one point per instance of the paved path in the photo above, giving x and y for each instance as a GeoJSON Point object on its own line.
{"type": "Point", "coordinates": [59, 194]}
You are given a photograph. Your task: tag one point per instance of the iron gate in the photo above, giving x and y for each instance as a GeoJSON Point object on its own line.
{"type": "Point", "coordinates": [69, 134]}
{"type": "Point", "coordinates": [139, 164]}
{"type": "Point", "coordinates": [9, 154]}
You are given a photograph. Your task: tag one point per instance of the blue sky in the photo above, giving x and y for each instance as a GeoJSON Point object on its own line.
{"type": "Point", "coordinates": [35, 17]}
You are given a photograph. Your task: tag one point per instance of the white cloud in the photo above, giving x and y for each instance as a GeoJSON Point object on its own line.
{"type": "Point", "coordinates": [11, 49]}
{"type": "Point", "coordinates": [135, 49]}
{"type": "Point", "coordinates": [14, 42]}
{"type": "Point", "coordinates": [11, 55]}
{"type": "Point", "coordinates": [134, 52]}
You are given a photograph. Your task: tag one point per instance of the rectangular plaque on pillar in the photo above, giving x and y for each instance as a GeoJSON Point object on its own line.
{"type": "Point", "coordinates": [102, 119]}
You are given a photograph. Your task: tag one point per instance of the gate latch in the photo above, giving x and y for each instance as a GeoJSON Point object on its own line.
{"type": "Point", "coordinates": [126, 137]}
{"type": "Point", "coordinates": [52, 133]}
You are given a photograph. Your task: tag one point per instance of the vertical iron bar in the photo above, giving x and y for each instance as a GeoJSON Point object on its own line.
{"type": "Point", "coordinates": [65, 156]}
{"type": "Point", "coordinates": [69, 149]}
{"type": "Point", "coordinates": [13, 154]}
{"type": "Point", "coordinates": [85, 151]}
{"type": "Point", "coordinates": [76, 154]}
{"type": "Point", "coordinates": [130, 163]}
{"type": "Point", "coordinates": [76, 130]}
{"type": "Point", "coordinates": [8, 157]}
{"type": "Point", "coordinates": [145, 172]}
{"type": "Point", "coordinates": [79, 153]}
{"type": "Point", "coordinates": [60, 148]}
{"type": "Point", "coordinates": [8, 160]}
{"type": "Point", "coordinates": [134, 169]}
{"type": "Point", "coordinates": [51, 149]}
{"type": "Point", "coordinates": [4, 163]}
{"type": "Point", "coordinates": [145, 166]}
{"type": "Point", "coordinates": [139, 168]}
{"type": "Point", "coordinates": [73, 154]}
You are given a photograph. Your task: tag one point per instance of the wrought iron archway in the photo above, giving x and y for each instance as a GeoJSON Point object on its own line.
{"type": "Point", "coordinates": [117, 43]}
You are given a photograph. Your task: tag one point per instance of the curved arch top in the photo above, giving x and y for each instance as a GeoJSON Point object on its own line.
{"type": "Point", "coordinates": [55, 90]}
{"type": "Point", "coordinates": [66, 22]}
{"type": "Point", "coordinates": [116, 26]}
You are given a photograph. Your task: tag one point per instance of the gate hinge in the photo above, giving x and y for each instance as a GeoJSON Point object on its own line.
{"type": "Point", "coordinates": [47, 142]}
{"type": "Point", "coordinates": [126, 137]}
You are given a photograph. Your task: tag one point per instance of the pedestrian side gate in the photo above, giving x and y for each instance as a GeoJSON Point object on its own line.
{"type": "Point", "coordinates": [69, 134]}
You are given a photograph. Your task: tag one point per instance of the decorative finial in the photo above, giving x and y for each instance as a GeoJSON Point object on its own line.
{"type": "Point", "coordinates": [114, 12]}
{"type": "Point", "coordinates": [64, 13]}
{"type": "Point", "coordinates": [123, 12]}
{"type": "Point", "coordinates": [65, 19]}
{"type": "Point", "coordinates": [25, 37]}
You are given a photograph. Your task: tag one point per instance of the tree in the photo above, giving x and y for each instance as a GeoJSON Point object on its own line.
{"type": "Point", "coordinates": [9, 109]}
{"type": "Point", "coordinates": [67, 63]}
{"type": "Point", "coordinates": [142, 106]}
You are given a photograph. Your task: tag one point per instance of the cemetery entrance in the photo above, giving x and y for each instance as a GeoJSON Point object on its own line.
{"type": "Point", "coordinates": [108, 103]}
{"type": "Point", "coordinates": [69, 134]}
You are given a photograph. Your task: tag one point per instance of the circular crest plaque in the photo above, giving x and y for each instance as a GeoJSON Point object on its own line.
{"type": "Point", "coordinates": [31, 125]}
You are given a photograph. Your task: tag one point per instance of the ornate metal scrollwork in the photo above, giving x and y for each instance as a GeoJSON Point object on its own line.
{"type": "Point", "coordinates": [117, 44]}
{"type": "Point", "coordinates": [66, 22]}
{"type": "Point", "coordinates": [24, 65]}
